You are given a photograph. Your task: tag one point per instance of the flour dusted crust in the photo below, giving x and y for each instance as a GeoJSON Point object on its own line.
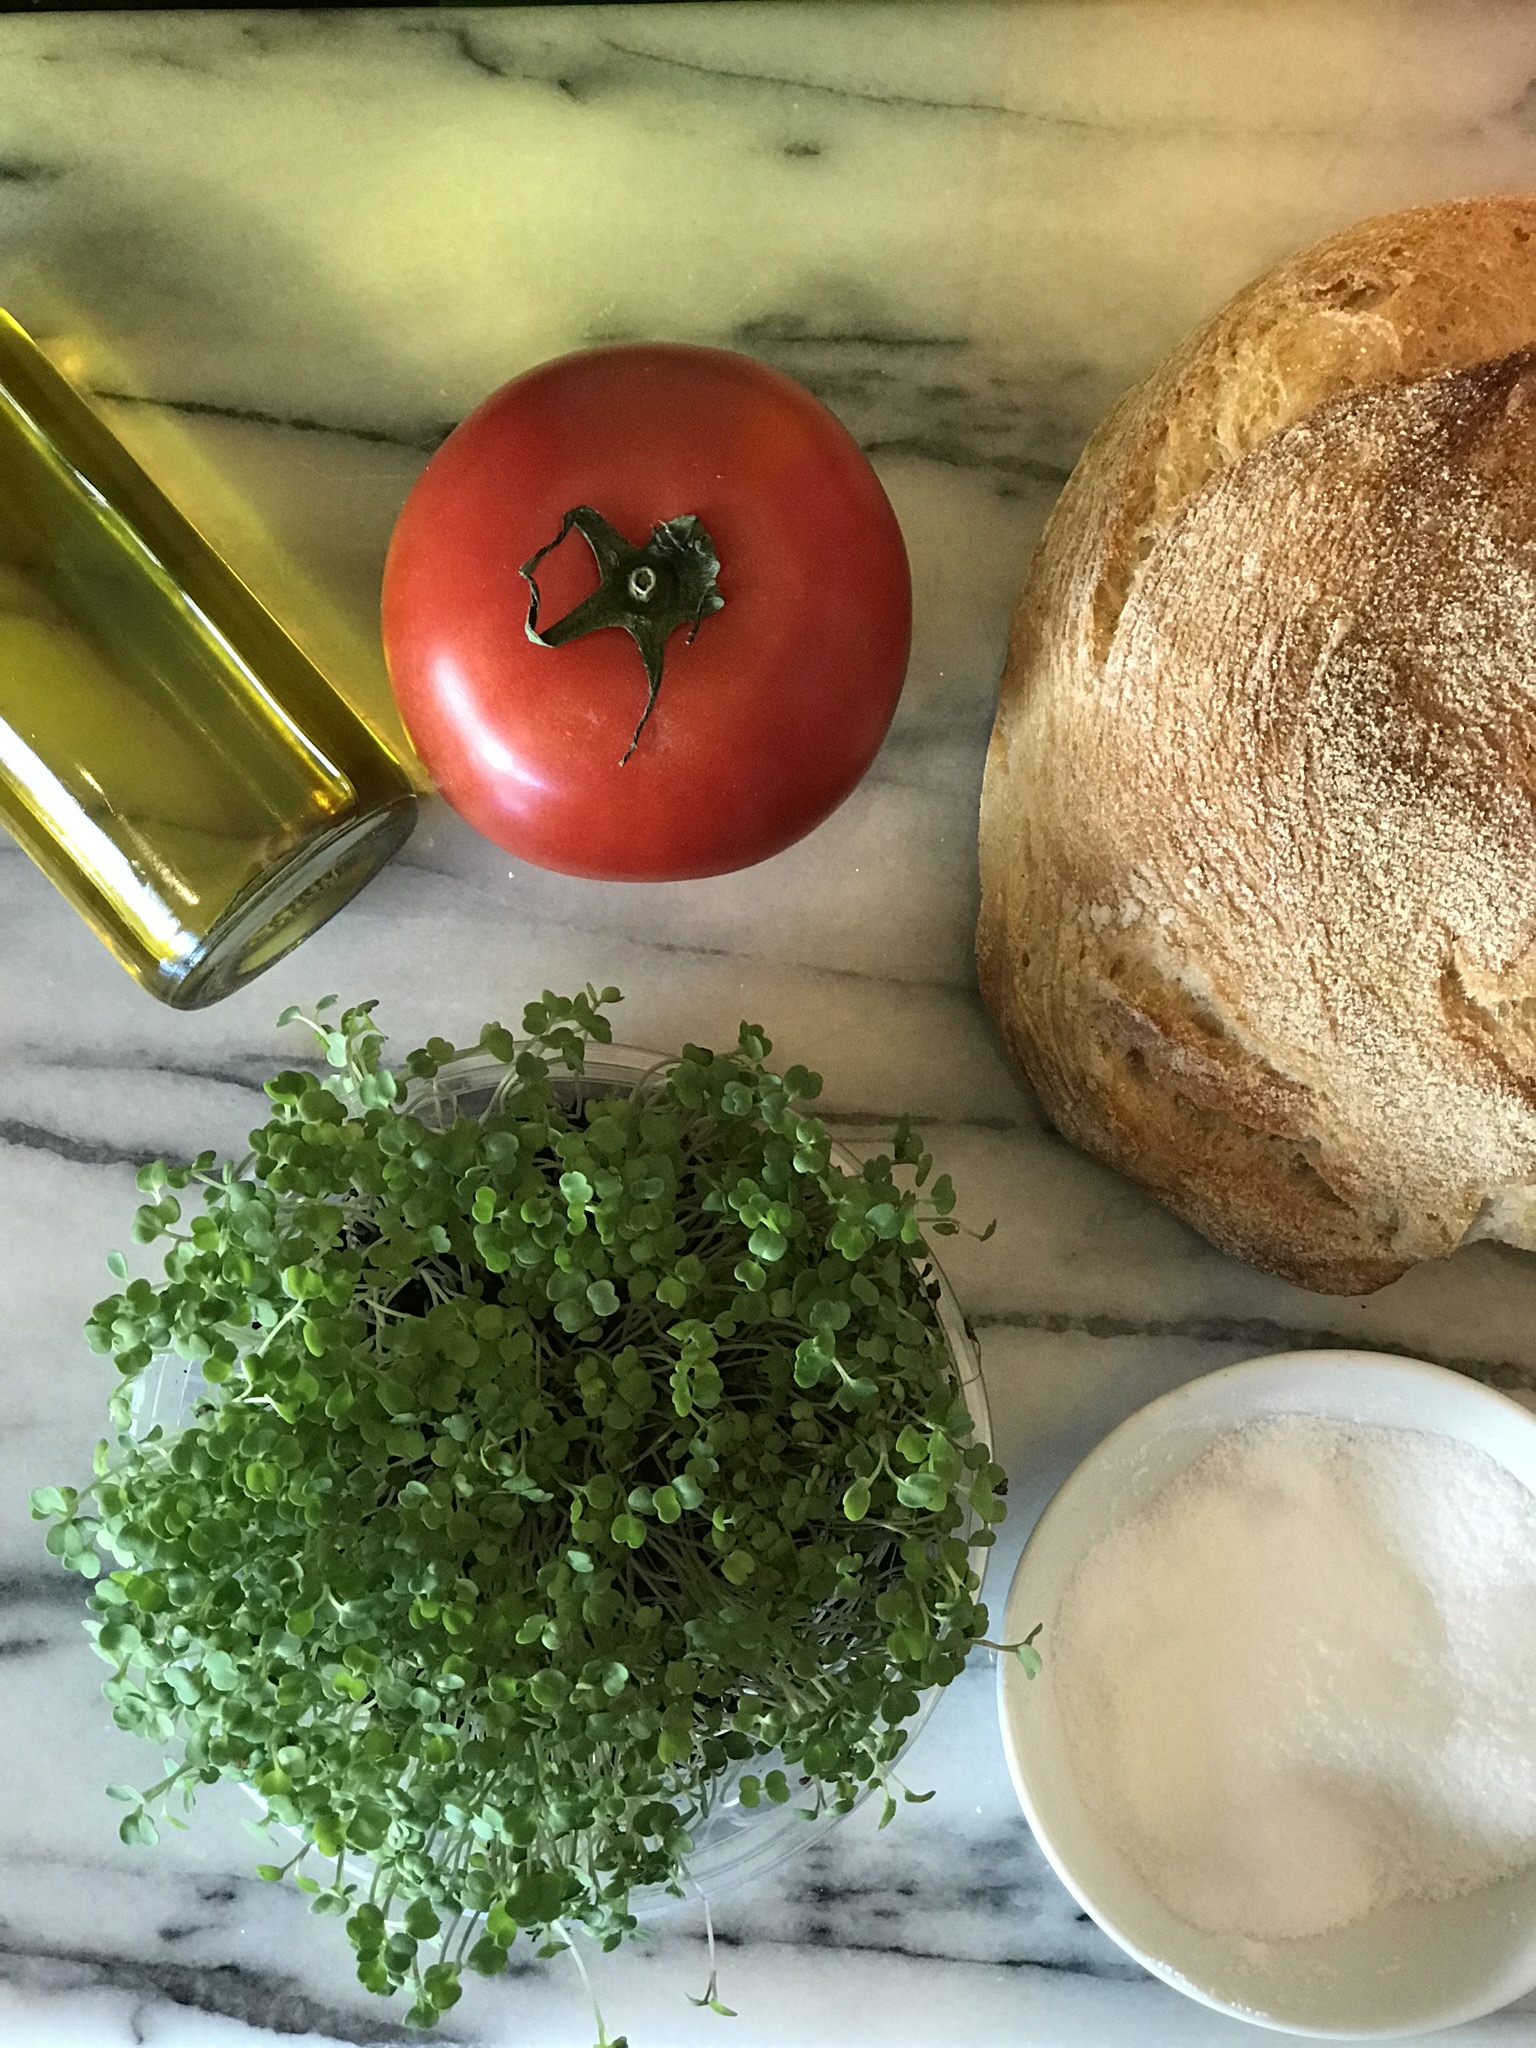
{"type": "Point", "coordinates": [1258, 831]}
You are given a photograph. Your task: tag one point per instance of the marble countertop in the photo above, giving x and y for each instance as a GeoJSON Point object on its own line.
{"type": "Point", "coordinates": [286, 251]}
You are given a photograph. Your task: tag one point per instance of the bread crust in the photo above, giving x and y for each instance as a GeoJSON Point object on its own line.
{"type": "Point", "coordinates": [1258, 825]}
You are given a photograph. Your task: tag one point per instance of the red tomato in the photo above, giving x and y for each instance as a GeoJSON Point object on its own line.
{"type": "Point", "coordinates": [762, 723]}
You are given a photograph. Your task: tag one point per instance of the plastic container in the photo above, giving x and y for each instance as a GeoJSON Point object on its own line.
{"type": "Point", "coordinates": [1404, 1969]}
{"type": "Point", "coordinates": [734, 1843]}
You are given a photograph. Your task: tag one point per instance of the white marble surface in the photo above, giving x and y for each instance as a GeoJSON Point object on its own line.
{"type": "Point", "coordinates": [297, 247]}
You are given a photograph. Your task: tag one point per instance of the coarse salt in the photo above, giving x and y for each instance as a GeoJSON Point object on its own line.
{"type": "Point", "coordinates": [1301, 1684]}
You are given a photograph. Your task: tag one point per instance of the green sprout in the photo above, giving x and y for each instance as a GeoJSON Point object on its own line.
{"type": "Point", "coordinates": [556, 1463]}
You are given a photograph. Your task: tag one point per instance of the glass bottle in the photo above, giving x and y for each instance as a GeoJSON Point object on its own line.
{"type": "Point", "coordinates": [168, 756]}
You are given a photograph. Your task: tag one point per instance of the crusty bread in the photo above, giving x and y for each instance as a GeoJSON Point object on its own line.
{"type": "Point", "coordinates": [1258, 832]}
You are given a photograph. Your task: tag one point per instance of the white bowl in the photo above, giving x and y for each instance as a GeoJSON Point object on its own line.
{"type": "Point", "coordinates": [1403, 1969]}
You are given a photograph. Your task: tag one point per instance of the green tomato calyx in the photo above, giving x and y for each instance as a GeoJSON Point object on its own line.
{"type": "Point", "coordinates": [649, 591]}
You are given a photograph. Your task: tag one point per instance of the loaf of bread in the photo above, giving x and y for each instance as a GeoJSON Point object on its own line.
{"type": "Point", "coordinates": [1258, 833]}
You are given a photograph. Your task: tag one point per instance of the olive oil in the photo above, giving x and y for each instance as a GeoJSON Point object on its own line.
{"type": "Point", "coordinates": [168, 756]}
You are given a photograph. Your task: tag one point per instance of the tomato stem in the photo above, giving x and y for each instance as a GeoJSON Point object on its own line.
{"type": "Point", "coordinates": [648, 591]}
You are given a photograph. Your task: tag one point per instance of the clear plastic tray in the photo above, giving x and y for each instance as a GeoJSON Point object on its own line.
{"type": "Point", "coordinates": [734, 1843]}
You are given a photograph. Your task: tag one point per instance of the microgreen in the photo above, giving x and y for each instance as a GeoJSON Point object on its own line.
{"type": "Point", "coordinates": [1029, 1659]}
{"type": "Point", "coordinates": [558, 1461]}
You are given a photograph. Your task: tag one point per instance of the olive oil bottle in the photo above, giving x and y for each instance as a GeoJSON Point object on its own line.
{"type": "Point", "coordinates": [168, 756]}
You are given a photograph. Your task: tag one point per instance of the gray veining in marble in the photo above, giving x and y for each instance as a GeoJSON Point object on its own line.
{"type": "Point", "coordinates": [286, 252]}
